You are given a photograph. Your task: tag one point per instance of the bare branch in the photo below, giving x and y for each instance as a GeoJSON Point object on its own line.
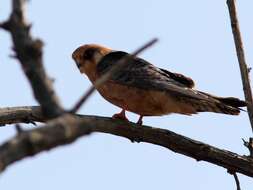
{"type": "Point", "coordinates": [26, 114]}
{"type": "Point", "coordinates": [60, 131]}
{"type": "Point", "coordinates": [241, 58]}
{"type": "Point", "coordinates": [165, 138]}
{"type": "Point", "coordinates": [242, 63]}
{"type": "Point", "coordinates": [29, 53]}
{"type": "Point", "coordinates": [121, 63]}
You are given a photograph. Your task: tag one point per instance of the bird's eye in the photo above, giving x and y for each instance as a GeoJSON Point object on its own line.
{"type": "Point", "coordinates": [88, 54]}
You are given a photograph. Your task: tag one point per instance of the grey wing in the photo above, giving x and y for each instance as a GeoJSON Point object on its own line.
{"type": "Point", "coordinates": [141, 74]}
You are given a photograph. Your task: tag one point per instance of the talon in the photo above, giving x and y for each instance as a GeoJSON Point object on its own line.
{"type": "Point", "coordinates": [121, 115]}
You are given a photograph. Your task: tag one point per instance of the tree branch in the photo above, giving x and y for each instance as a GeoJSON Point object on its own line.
{"type": "Point", "coordinates": [26, 114]}
{"type": "Point", "coordinates": [165, 138]}
{"type": "Point", "coordinates": [60, 131]}
{"type": "Point", "coordinates": [29, 53]}
{"type": "Point", "coordinates": [241, 58]}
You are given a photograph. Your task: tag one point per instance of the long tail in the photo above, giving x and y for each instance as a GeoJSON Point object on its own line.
{"type": "Point", "coordinates": [227, 105]}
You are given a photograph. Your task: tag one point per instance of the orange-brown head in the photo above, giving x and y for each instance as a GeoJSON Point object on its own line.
{"type": "Point", "coordinates": [87, 57]}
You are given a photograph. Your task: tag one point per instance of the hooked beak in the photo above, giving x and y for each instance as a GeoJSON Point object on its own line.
{"type": "Point", "coordinates": [78, 64]}
{"type": "Point", "coordinates": [75, 57]}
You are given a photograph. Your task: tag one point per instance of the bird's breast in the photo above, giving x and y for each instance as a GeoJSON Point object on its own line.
{"type": "Point", "coordinates": [140, 101]}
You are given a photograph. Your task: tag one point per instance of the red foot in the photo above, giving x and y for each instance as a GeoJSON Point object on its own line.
{"type": "Point", "coordinates": [139, 122]}
{"type": "Point", "coordinates": [121, 115]}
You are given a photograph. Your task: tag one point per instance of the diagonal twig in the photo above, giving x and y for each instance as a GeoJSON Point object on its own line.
{"type": "Point", "coordinates": [121, 63]}
{"type": "Point", "coordinates": [242, 62]}
{"type": "Point", "coordinates": [29, 52]}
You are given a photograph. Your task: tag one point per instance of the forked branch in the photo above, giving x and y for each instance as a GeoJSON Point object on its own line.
{"type": "Point", "coordinates": [29, 53]}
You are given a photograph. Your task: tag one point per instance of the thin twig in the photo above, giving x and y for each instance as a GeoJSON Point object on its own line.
{"type": "Point", "coordinates": [18, 128]}
{"type": "Point", "coordinates": [249, 145]}
{"type": "Point", "coordinates": [237, 181]}
{"type": "Point", "coordinates": [107, 75]}
{"type": "Point", "coordinates": [241, 58]}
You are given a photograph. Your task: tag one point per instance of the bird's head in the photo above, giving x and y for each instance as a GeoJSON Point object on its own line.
{"type": "Point", "coordinates": [88, 56]}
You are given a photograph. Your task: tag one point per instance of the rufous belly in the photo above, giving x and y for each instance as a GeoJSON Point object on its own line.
{"type": "Point", "coordinates": [141, 101]}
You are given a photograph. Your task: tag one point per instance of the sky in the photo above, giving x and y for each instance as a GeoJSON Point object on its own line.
{"type": "Point", "coordinates": [195, 39]}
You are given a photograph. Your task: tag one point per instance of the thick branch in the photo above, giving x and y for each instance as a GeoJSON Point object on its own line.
{"type": "Point", "coordinates": [241, 58]}
{"type": "Point", "coordinates": [29, 53]}
{"type": "Point", "coordinates": [63, 130]}
{"type": "Point", "coordinates": [165, 138]}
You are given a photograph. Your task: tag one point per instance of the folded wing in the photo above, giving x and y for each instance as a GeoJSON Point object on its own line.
{"type": "Point", "coordinates": [142, 74]}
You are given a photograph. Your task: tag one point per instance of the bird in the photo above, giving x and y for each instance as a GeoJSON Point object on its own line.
{"type": "Point", "coordinates": [144, 89]}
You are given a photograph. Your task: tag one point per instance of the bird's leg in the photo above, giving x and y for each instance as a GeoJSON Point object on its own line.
{"type": "Point", "coordinates": [139, 122]}
{"type": "Point", "coordinates": [121, 115]}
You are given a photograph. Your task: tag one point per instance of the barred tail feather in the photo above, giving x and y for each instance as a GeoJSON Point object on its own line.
{"type": "Point", "coordinates": [217, 108]}
{"type": "Point", "coordinates": [210, 103]}
{"type": "Point", "coordinates": [228, 105]}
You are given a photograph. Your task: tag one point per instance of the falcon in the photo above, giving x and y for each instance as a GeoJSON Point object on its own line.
{"type": "Point", "coordinates": [144, 89]}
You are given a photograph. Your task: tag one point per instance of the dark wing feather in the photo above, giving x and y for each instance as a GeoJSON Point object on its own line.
{"type": "Point", "coordinates": [141, 73]}
{"type": "Point", "coordinates": [188, 82]}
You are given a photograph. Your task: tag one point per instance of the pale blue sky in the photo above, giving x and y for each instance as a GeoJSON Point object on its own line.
{"type": "Point", "coordinates": [195, 39]}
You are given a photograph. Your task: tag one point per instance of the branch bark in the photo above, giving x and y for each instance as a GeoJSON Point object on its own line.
{"type": "Point", "coordinates": [241, 58]}
{"type": "Point", "coordinates": [50, 134]}
{"type": "Point", "coordinates": [25, 114]}
{"type": "Point", "coordinates": [60, 131]}
{"type": "Point", "coordinates": [29, 53]}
